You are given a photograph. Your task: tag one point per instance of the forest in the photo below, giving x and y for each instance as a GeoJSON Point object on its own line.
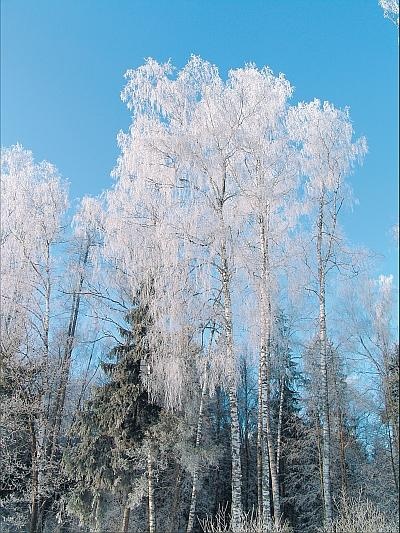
{"type": "Point", "coordinates": [199, 348]}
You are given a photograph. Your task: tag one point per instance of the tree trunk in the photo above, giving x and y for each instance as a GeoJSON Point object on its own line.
{"type": "Point", "coordinates": [326, 442]}
{"type": "Point", "coordinates": [150, 489]}
{"type": "Point", "coordinates": [96, 514]}
{"type": "Point", "coordinates": [279, 435]}
{"type": "Point", "coordinates": [259, 448]}
{"type": "Point", "coordinates": [392, 458]}
{"type": "Point", "coordinates": [319, 449]}
{"type": "Point", "coordinates": [125, 519]}
{"type": "Point", "coordinates": [236, 464]}
{"type": "Point", "coordinates": [246, 439]}
{"type": "Point", "coordinates": [273, 470]}
{"type": "Point", "coordinates": [395, 433]}
{"type": "Point", "coordinates": [236, 510]}
{"type": "Point", "coordinates": [35, 483]}
{"type": "Point", "coordinates": [66, 360]}
{"type": "Point", "coordinates": [342, 449]}
{"type": "Point", "coordinates": [217, 477]}
{"type": "Point", "coordinates": [265, 329]}
{"type": "Point", "coordinates": [266, 464]}
{"type": "Point", "coordinates": [193, 498]}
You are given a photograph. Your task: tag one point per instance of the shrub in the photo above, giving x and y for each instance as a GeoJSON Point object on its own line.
{"type": "Point", "coordinates": [249, 523]}
{"type": "Point", "coordinates": [357, 515]}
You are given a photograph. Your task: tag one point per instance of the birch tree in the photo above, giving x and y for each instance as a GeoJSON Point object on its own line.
{"type": "Point", "coordinates": [328, 152]}
{"type": "Point", "coordinates": [198, 142]}
{"type": "Point", "coordinates": [34, 199]}
{"type": "Point", "coordinates": [268, 186]}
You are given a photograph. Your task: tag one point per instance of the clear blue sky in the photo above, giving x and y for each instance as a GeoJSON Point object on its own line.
{"type": "Point", "coordinates": [63, 63]}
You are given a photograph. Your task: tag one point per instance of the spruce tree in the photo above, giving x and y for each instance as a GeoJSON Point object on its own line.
{"type": "Point", "coordinates": [285, 407]}
{"type": "Point", "coordinates": [106, 460]}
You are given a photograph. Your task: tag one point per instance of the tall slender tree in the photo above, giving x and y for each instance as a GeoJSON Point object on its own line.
{"type": "Point", "coordinates": [328, 152]}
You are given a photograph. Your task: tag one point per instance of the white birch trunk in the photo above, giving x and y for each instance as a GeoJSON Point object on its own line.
{"type": "Point", "coordinates": [246, 444]}
{"type": "Point", "coordinates": [236, 510]}
{"type": "Point", "coordinates": [193, 499]}
{"type": "Point", "coordinates": [326, 444]}
{"type": "Point", "coordinates": [280, 416]}
{"type": "Point", "coordinates": [96, 527]}
{"type": "Point", "coordinates": [259, 448]}
{"type": "Point", "coordinates": [46, 279]}
{"type": "Point", "coordinates": [265, 333]}
{"type": "Point", "coordinates": [150, 492]}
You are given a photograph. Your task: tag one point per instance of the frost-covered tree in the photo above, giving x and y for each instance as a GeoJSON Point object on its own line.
{"type": "Point", "coordinates": [34, 200]}
{"type": "Point", "coordinates": [268, 185]}
{"type": "Point", "coordinates": [192, 123]}
{"type": "Point", "coordinates": [328, 155]}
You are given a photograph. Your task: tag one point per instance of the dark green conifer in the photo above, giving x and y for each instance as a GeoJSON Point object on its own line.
{"type": "Point", "coordinates": [106, 458]}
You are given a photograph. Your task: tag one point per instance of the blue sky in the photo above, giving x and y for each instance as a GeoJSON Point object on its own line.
{"type": "Point", "coordinates": [63, 64]}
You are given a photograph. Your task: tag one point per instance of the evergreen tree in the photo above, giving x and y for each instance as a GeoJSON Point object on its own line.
{"type": "Point", "coordinates": [287, 381]}
{"type": "Point", "coordinates": [107, 459]}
